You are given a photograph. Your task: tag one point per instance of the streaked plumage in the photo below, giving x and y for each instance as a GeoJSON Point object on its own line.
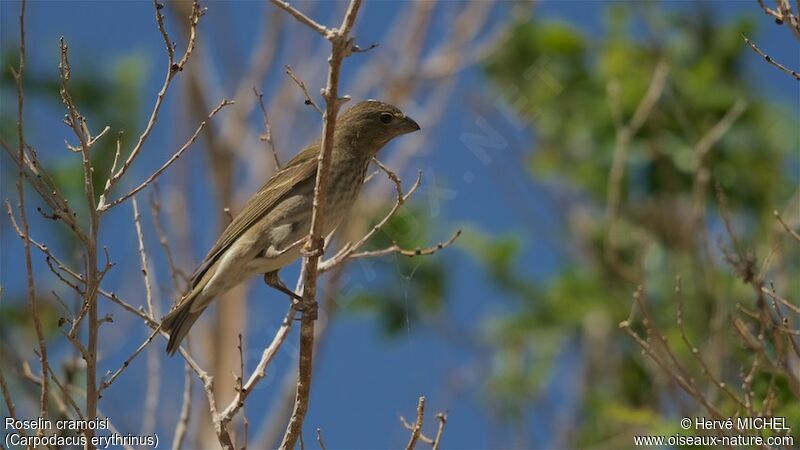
{"type": "Point", "coordinates": [266, 235]}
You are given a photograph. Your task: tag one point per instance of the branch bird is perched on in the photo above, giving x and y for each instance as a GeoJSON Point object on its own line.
{"type": "Point", "coordinates": [268, 233]}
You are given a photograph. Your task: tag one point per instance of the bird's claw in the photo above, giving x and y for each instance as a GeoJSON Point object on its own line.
{"type": "Point", "coordinates": [273, 280]}
{"type": "Point", "coordinates": [313, 248]}
{"type": "Point", "coordinates": [305, 308]}
{"type": "Point", "coordinates": [311, 252]}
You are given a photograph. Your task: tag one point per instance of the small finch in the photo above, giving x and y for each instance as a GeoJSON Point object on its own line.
{"type": "Point", "coordinates": [268, 233]}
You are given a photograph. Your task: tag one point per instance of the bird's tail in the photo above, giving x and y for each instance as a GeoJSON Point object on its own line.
{"type": "Point", "coordinates": [179, 321]}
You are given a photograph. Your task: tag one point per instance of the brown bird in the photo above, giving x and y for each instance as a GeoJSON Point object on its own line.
{"type": "Point", "coordinates": [269, 232]}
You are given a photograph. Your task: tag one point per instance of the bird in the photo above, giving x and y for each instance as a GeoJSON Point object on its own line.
{"type": "Point", "coordinates": [270, 230]}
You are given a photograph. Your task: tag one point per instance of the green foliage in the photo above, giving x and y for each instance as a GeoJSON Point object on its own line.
{"type": "Point", "coordinates": [571, 85]}
{"type": "Point", "coordinates": [568, 77]}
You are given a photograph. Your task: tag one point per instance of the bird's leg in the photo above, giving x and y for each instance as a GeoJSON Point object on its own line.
{"type": "Point", "coordinates": [273, 280]}
{"type": "Point", "coordinates": [298, 243]}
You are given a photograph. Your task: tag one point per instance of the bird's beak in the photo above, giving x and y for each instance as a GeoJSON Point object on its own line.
{"type": "Point", "coordinates": [409, 125]}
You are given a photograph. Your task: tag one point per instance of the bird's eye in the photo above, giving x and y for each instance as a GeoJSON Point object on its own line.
{"type": "Point", "coordinates": [386, 118]}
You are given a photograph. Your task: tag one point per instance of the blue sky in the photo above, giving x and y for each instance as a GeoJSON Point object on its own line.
{"type": "Point", "coordinates": [364, 380]}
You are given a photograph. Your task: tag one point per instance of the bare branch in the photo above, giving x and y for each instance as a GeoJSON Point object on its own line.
{"type": "Point", "coordinates": [309, 100]}
{"type": "Point", "coordinates": [348, 249]}
{"type": "Point", "coordinates": [172, 69]}
{"type": "Point", "coordinates": [770, 60]}
{"type": "Point", "coordinates": [267, 136]}
{"type": "Point", "coordinates": [694, 350]}
{"type": "Point", "coordinates": [398, 186]}
{"type": "Point", "coordinates": [259, 373]}
{"type": "Point", "coordinates": [12, 410]}
{"type": "Point", "coordinates": [410, 253]}
{"type": "Point", "coordinates": [624, 133]}
{"type": "Point", "coordinates": [783, 15]}
{"type": "Point", "coordinates": [771, 293]}
{"type": "Point", "coordinates": [417, 428]}
{"type": "Point", "coordinates": [108, 382]}
{"type": "Point", "coordinates": [43, 184]}
{"type": "Point", "coordinates": [678, 374]}
{"type": "Point", "coordinates": [186, 407]}
{"type": "Point", "coordinates": [341, 47]}
{"type": "Point", "coordinates": [302, 18]}
{"type": "Point", "coordinates": [319, 439]}
{"type": "Point", "coordinates": [701, 149]}
{"type": "Point", "coordinates": [437, 441]}
{"type": "Point", "coordinates": [94, 276]}
{"type": "Point", "coordinates": [155, 208]}
{"type": "Point", "coordinates": [786, 227]}
{"type": "Point", "coordinates": [50, 258]}
{"type": "Point", "coordinates": [66, 394]}
{"type": "Point", "coordinates": [105, 206]}
{"type": "Point", "coordinates": [720, 128]}
{"type": "Point", "coordinates": [25, 232]}
{"type": "Point", "coordinates": [238, 388]}
{"type": "Point", "coordinates": [137, 220]}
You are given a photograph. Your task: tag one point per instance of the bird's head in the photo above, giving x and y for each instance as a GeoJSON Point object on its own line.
{"type": "Point", "coordinates": [371, 124]}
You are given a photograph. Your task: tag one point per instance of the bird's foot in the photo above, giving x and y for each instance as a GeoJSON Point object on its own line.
{"type": "Point", "coordinates": [313, 247]}
{"type": "Point", "coordinates": [273, 280]}
{"type": "Point", "coordinates": [305, 308]}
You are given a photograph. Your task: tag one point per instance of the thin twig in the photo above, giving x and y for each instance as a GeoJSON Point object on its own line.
{"type": "Point", "coordinates": [771, 293]}
{"type": "Point", "coordinates": [410, 427]}
{"type": "Point", "coordinates": [786, 227]}
{"type": "Point", "coordinates": [417, 429]}
{"type": "Point", "coordinates": [783, 15]}
{"type": "Point", "coordinates": [12, 410]}
{"type": "Point", "coordinates": [173, 68]}
{"type": "Point", "coordinates": [66, 394]}
{"type": "Point", "coordinates": [410, 253]}
{"type": "Point", "coordinates": [309, 100]}
{"type": "Point", "coordinates": [702, 148]}
{"type": "Point", "coordinates": [105, 206]}
{"type": "Point", "coordinates": [108, 382]}
{"type": "Point", "coordinates": [77, 122]}
{"type": "Point", "coordinates": [623, 136]}
{"type": "Point", "coordinates": [437, 441]}
{"type": "Point", "coordinates": [302, 18]}
{"type": "Point", "coordinates": [267, 136]}
{"type": "Point", "coordinates": [43, 184]}
{"type": "Point", "coordinates": [259, 373]}
{"type": "Point", "coordinates": [349, 249]}
{"type": "Point", "coordinates": [319, 438]}
{"type": "Point", "coordinates": [186, 408]}
{"type": "Point", "coordinates": [695, 352]}
{"type": "Point", "coordinates": [398, 184]}
{"type": "Point", "coordinates": [31, 289]}
{"type": "Point", "coordinates": [155, 207]}
{"type": "Point", "coordinates": [137, 221]}
{"type": "Point", "coordinates": [679, 374]}
{"type": "Point", "coordinates": [770, 59]}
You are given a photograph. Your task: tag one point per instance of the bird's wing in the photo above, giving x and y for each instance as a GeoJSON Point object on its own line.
{"type": "Point", "coordinates": [301, 167]}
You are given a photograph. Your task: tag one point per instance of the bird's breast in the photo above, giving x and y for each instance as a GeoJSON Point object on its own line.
{"type": "Point", "coordinates": [346, 178]}
{"type": "Point", "coordinates": [291, 220]}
